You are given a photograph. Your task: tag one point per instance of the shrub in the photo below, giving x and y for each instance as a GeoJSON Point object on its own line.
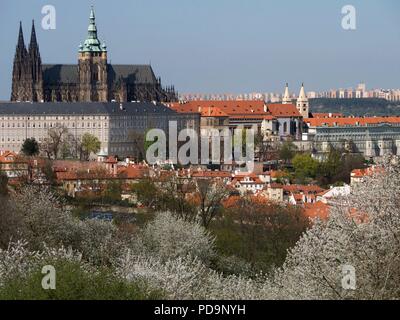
{"type": "Point", "coordinates": [74, 283]}
{"type": "Point", "coordinates": [169, 237]}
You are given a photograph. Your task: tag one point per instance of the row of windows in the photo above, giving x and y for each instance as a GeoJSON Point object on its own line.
{"type": "Point", "coordinates": [41, 139]}
{"type": "Point", "coordinates": [53, 125]}
{"type": "Point", "coordinates": [55, 118]}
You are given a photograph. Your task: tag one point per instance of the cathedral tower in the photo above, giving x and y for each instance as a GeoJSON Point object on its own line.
{"type": "Point", "coordinates": [286, 97]}
{"type": "Point", "coordinates": [93, 84]}
{"type": "Point", "coordinates": [35, 67]}
{"type": "Point", "coordinates": [302, 103]}
{"type": "Point", "coordinates": [21, 81]}
{"type": "Point", "coordinates": [27, 78]}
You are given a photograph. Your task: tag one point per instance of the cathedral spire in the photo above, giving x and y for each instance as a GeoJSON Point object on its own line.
{"type": "Point", "coordinates": [302, 94]}
{"type": "Point", "coordinates": [33, 44]}
{"type": "Point", "coordinates": [21, 42]}
{"type": "Point", "coordinates": [35, 62]}
{"type": "Point", "coordinates": [92, 29]}
{"type": "Point", "coordinates": [92, 43]}
{"type": "Point", "coordinates": [286, 97]}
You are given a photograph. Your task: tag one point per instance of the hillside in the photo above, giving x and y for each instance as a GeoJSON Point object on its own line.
{"type": "Point", "coordinates": [356, 107]}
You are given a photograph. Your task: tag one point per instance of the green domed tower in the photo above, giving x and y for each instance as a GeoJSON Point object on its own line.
{"type": "Point", "coordinates": [93, 84]}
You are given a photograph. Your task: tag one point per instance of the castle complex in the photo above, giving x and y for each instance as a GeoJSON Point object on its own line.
{"type": "Point", "coordinates": [93, 79]}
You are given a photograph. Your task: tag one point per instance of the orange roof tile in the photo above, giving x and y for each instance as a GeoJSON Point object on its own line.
{"type": "Point", "coordinates": [283, 110]}
{"type": "Point", "coordinates": [317, 210]}
{"type": "Point", "coordinates": [8, 157]}
{"type": "Point", "coordinates": [133, 172]}
{"type": "Point", "coordinates": [230, 108]}
{"type": "Point", "coordinates": [276, 186]}
{"type": "Point", "coordinates": [295, 188]}
{"type": "Point", "coordinates": [351, 121]}
{"type": "Point", "coordinates": [211, 174]}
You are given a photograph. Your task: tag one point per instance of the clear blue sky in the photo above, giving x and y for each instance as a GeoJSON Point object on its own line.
{"type": "Point", "coordinates": [222, 45]}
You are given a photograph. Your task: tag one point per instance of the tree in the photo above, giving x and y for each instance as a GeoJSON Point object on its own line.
{"type": "Point", "coordinates": [287, 151]}
{"type": "Point", "coordinates": [139, 144]}
{"type": "Point", "coordinates": [305, 167]}
{"type": "Point", "coordinates": [10, 221]}
{"type": "Point", "coordinates": [52, 144]}
{"type": "Point", "coordinates": [359, 243]}
{"type": "Point", "coordinates": [265, 150]}
{"type": "Point", "coordinates": [337, 167]}
{"type": "Point", "coordinates": [3, 184]}
{"type": "Point", "coordinates": [113, 190]}
{"type": "Point", "coordinates": [349, 163]}
{"type": "Point", "coordinates": [267, 230]}
{"type": "Point", "coordinates": [168, 236]}
{"type": "Point", "coordinates": [146, 192]}
{"type": "Point", "coordinates": [30, 147]}
{"type": "Point", "coordinates": [48, 172]}
{"type": "Point", "coordinates": [208, 199]}
{"type": "Point", "coordinates": [170, 196]}
{"type": "Point", "coordinates": [89, 144]}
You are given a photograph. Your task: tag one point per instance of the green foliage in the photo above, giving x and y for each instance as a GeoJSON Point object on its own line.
{"type": "Point", "coordinates": [30, 147]}
{"type": "Point", "coordinates": [146, 192]}
{"type": "Point", "coordinates": [337, 167]}
{"type": "Point", "coordinates": [258, 234]}
{"type": "Point", "coordinates": [356, 107]}
{"type": "Point", "coordinates": [74, 283]}
{"type": "Point", "coordinates": [305, 167]}
{"type": "Point", "coordinates": [90, 144]}
{"type": "Point", "coordinates": [287, 151]}
{"type": "Point", "coordinates": [113, 191]}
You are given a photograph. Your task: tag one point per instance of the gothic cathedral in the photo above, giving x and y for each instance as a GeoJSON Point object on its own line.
{"type": "Point", "coordinates": [92, 80]}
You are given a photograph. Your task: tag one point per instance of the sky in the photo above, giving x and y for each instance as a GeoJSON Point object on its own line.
{"type": "Point", "coordinates": [221, 46]}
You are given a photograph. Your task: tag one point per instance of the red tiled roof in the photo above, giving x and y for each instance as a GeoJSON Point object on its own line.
{"type": "Point", "coordinates": [277, 174]}
{"type": "Point", "coordinates": [72, 165]}
{"type": "Point", "coordinates": [295, 188]}
{"type": "Point", "coordinates": [111, 160]}
{"type": "Point", "coordinates": [350, 121]}
{"type": "Point", "coordinates": [230, 108]}
{"type": "Point", "coordinates": [246, 109]}
{"type": "Point", "coordinates": [133, 172]}
{"type": "Point", "coordinates": [8, 157]}
{"type": "Point", "coordinates": [317, 210]}
{"type": "Point", "coordinates": [82, 175]}
{"type": "Point", "coordinates": [283, 110]}
{"type": "Point", "coordinates": [276, 186]}
{"type": "Point", "coordinates": [208, 111]}
{"type": "Point", "coordinates": [211, 174]}
{"type": "Point", "coordinates": [359, 173]}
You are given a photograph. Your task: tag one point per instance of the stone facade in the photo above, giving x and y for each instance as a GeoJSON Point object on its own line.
{"type": "Point", "coordinates": [372, 140]}
{"type": "Point", "coordinates": [112, 123]}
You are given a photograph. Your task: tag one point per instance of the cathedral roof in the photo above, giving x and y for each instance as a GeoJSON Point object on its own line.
{"type": "Point", "coordinates": [60, 73]}
{"type": "Point", "coordinates": [68, 74]}
{"type": "Point", "coordinates": [132, 73]}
